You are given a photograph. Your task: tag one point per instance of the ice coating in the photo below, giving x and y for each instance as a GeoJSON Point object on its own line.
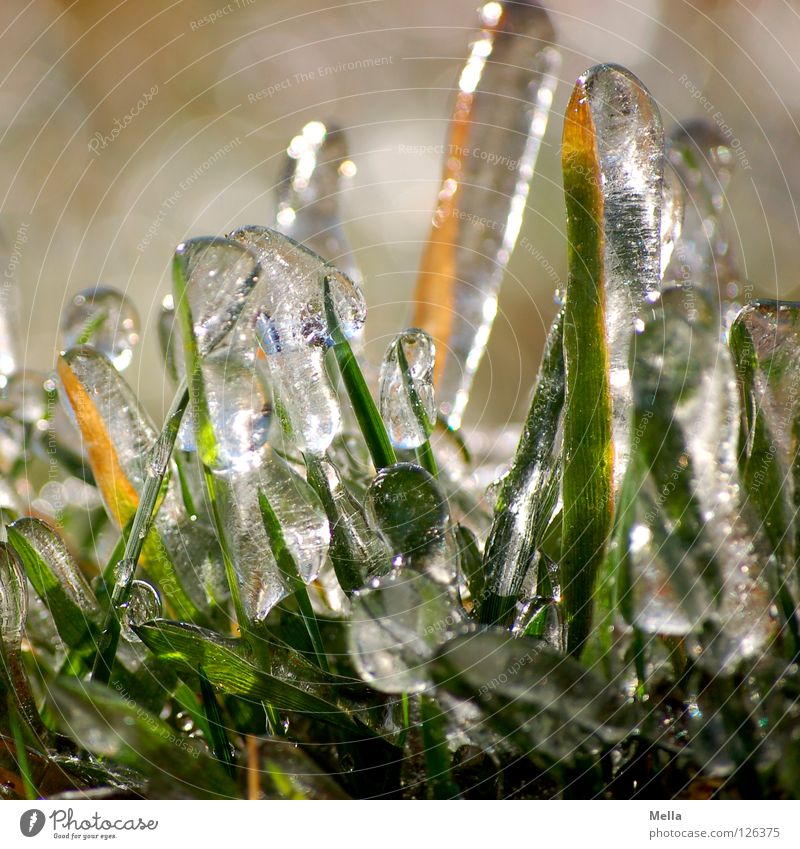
{"type": "Point", "coordinates": [144, 605]}
{"type": "Point", "coordinates": [500, 115]}
{"type": "Point", "coordinates": [397, 623]}
{"type": "Point", "coordinates": [219, 275]}
{"type": "Point", "coordinates": [774, 328]}
{"type": "Point", "coordinates": [355, 550]}
{"type": "Point", "coordinates": [684, 376]}
{"type": "Point", "coordinates": [287, 315]}
{"type": "Point", "coordinates": [703, 256]}
{"type": "Point", "coordinates": [239, 409]}
{"type": "Point", "coordinates": [51, 548]}
{"type": "Point", "coordinates": [406, 389]}
{"type": "Point", "coordinates": [317, 166]}
{"type": "Point", "coordinates": [301, 387]}
{"type": "Point", "coordinates": [13, 599]}
{"type": "Point", "coordinates": [405, 505]}
{"type": "Point", "coordinates": [118, 437]}
{"type": "Point", "coordinates": [303, 522]}
{"type": "Point", "coordinates": [103, 318]}
{"type": "Point", "coordinates": [630, 150]}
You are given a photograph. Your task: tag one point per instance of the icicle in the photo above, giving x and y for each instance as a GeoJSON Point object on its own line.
{"type": "Point", "coordinates": [630, 152]}
{"type": "Point", "coordinates": [500, 115]}
{"type": "Point", "coordinates": [13, 600]}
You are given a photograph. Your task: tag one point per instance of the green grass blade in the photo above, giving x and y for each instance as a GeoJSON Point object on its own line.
{"type": "Point", "coordinates": [220, 745]}
{"type": "Point", "coordinates": [438, 758]}
{"type": "Point", "coordinates": [126, 570]}
{"type": "Point", "coordinates": [66, 594]}
{"type": "Point", "coordinates": [227, 668]}
{"type": "Point", "coordinates": [20, 750]}
{"type": "Point", "coordinates": [367, 415]}
{"type": "Point", "coordinates": [288, 566]}
{"type": "Point", "coordinates": [588, 451]}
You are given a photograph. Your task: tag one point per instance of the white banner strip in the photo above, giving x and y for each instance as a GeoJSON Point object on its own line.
{"type": "Point", "coordinates": [385, 825]}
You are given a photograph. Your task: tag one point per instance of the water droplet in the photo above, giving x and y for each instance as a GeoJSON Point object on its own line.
{"type": "Point", "coordinates": [144, 605]}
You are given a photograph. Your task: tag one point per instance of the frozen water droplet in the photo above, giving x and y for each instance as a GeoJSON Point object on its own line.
{"type": "Point", "coordinates": [406, 389]}
{"type": "Point", "coordinates": [316, 166]}
{"type": "Point", "coordinates": [13, 598]}
{"type": "Point", "coordinates": [405, 505]}
{"type": "Point", "coordinates": [219, 275]}
{"type": "Point", "coordinates": [105, 319]}
{"type": "Point", "coordinates": [500, 115]}
{"type": "Point", "coordinates": [144, 605]}
{"type": "Point", "coordinates": [396, 626]}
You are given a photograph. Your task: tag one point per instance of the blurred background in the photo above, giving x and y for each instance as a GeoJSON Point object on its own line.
{"type": "Point", "coordinates": [129, 125]}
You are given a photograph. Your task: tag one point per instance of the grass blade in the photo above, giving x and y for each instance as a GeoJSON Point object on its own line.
{"type": "Point", "coordinates": [588, 451]}
{"type": "Point", "coordinates": [367, 415]}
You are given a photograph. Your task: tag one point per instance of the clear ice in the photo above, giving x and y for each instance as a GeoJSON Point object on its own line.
{"type": "Point", "coordinates": [406, 507]}
{"type": "Point", "coordinates": [630, 150]}
{"type": "Point", "coordinates": [13, 599]}
{"type": "Point", "coordinates": [697, 552]}
{"type": "Point", "coordinates": [287, 314]}
{"type": "Point", "coordinates": [406, 389]}
{"type": "Point", "coordinates": [500, 115]}
{"type": "Point", "coordinates": [219, 276]}
{"type": "Point", "coordinates": [303, 522]}
{"type": "Point", "coordinates": [397, 623]}
{"type": "Point", "coordinates": [105, 319]}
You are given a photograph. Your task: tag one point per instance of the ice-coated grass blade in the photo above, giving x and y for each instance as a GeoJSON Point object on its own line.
{"type": "Point", "coordinates": [129, 460]}
{"type": "Point", "coordinates": [588, 451]}
{"type": "Point", "coordinates": [288, 566]}
{"type": "Point", "coordinates": [124, 575]}
{"type": "Point", "coordinates": [367, 415]}
{"type": "Point", "coordinates": [529, 490]}
{"type": "Point", "coordinates": [424, 452]}
{"type": "Point", "coordinates": [438, 757]}
{"type": "Point", "coordinates": [769, 474]}
{"type": "Point", "coordinates": [112, 726]}
{"type": "Point", "coordinates": [552, 706]}
{"type": "Point", "coordinates": [57, 580]}
{"type": "Point", "coordinates": [20, 750]}
{"type": "Point", "coordinates": [502, 103]}
{"type": "Point", "coordinates": [229, 670]}
{"type": "Point", "coordinates": [220, 745]}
